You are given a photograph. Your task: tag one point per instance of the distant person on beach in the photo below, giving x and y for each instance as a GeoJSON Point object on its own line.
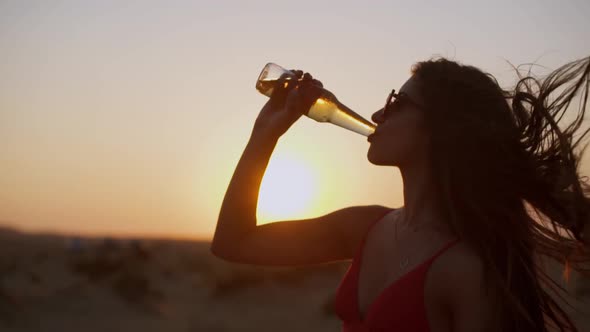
{"type": "Point", "coordinates": [482, 169]}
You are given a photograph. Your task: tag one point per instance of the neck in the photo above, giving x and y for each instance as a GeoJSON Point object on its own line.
{"type": "Point", "coordinates": [421, 206]}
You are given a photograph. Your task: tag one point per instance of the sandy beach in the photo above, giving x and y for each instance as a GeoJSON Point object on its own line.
{"type": "Point", "coordinates": [57, 283]}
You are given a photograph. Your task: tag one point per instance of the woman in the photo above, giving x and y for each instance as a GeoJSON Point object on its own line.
{"type": "Point", "coordinates": [481, 169]}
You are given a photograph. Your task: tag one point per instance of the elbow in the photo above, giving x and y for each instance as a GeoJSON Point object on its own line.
{"type": "Point", "coordinates": [224, 251]}
{"type": "Point", "coordinates": [228, 243]}
{"type": "Point", "coordinates": [214, 249]}
{"type": "Point", "coordinates": [217, 249]}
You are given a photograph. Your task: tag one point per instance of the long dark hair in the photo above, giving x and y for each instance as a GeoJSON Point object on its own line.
{"type": "Point", "coordinates": [506, 173]}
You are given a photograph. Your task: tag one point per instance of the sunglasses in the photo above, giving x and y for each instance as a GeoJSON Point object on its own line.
{"type": "Point", "coordinates": [396, 100]}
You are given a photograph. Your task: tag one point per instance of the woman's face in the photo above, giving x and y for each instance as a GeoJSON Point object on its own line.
{"type": "Point", "coordinates": [401, 137]}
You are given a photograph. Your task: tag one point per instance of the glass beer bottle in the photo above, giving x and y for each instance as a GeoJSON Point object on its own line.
{"type": "Point", "coordinates": [325, 109]}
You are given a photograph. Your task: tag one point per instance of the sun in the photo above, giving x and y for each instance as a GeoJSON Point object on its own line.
{"type": "Point", "coordinates": [287, 191]}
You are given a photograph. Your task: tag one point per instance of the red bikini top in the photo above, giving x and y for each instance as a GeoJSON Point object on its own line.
{"type": "Point", "coordinates": [399, 307]}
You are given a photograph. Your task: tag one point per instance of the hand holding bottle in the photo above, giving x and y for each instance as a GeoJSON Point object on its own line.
{"type": "Point", "coordinates": [292, 92]}
{"type": "Point", "coordinates": [291, 96]}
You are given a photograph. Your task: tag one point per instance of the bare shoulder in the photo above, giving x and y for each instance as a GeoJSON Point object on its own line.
{"type": "Point", "coordinates": [458, 286]}
{"type": "Point", "coordinates": [456, 269]}
{"type": "Point", "coordinates": [459, 261]}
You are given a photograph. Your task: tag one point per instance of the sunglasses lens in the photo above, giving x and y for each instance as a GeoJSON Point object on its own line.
{"type": "Point", "coordinates": [390, 104]}
{"type": "Point", "coordinates": [387, 108]}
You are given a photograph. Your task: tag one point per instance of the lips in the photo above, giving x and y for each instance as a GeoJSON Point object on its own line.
{"type": "Point", "coordinates": [370, 137]}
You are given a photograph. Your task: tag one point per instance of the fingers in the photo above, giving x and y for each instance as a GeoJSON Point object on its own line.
{"type": "Point", "coordinates": [300, 93]}
{"type": "Point", "coordinates": [305, 77]}
{"type": "Point", "coordinates": [298, 73]}
{"type": "Point", "coordinates": [311, 94]}
{"type": "Point", "coordinates": [307, 95]}
{"type": "Point", "coordinates": [310, 90]}
{"type": "Point", "coordinates": [281, 90]}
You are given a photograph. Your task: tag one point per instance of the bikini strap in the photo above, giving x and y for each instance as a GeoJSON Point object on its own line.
{"type": "Point", "coordinates": [443, 249]}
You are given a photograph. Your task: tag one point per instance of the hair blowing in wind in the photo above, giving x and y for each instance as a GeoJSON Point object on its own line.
{"type": "Point", "coordinates": [506, 170]}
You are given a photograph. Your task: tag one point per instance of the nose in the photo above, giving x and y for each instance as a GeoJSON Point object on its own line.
{"type": "Point", "coordinates": [377, 117]}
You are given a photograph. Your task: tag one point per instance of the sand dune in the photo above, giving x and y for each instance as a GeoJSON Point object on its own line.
{"type": "Point", "coordinates": [53, 283]}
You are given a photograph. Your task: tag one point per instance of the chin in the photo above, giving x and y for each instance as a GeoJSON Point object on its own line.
{"type": "Point", "coordinates": [381, 160]}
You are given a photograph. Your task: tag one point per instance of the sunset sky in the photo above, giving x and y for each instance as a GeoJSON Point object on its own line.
{"type": "Point", "coordinates": [128, 117]}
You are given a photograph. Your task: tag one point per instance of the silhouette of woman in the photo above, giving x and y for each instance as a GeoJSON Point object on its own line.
{"type": "Point", "coordinates": [491, 186]}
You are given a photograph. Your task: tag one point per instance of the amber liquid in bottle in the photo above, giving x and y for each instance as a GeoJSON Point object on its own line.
{"type": "Point", "coordinates": [327, 109]}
